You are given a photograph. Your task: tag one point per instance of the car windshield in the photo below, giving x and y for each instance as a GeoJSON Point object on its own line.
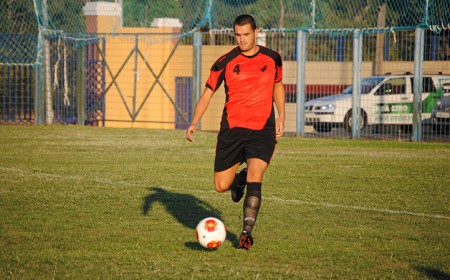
{"type": "Point", "coordinates": [367, 85]}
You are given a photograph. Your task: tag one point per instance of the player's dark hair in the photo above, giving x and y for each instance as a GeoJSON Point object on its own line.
{"type": "Point", "coordinates": [245, 19]}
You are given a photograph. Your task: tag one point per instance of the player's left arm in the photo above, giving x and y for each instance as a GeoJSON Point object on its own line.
{"type": "Point", "coordinates": [279, 97]}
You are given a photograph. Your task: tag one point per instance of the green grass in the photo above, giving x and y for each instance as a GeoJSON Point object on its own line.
{"type": "Point", "coordinates": [84, 203]}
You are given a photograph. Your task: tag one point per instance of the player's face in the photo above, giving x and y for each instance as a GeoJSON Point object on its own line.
{"type": "Point", "coordinates": [245, 37]}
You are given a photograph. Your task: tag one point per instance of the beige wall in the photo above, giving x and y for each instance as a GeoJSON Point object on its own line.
{"type": "Point", "coordinates": [341, 73]}
{"type": "Point", "coordinates": [320, 73]}
{"type": "Point", "coordinates": [158, 111]}
{"type": "Point", "coordinates": [101, 24]}
{"type": "Point", "coordinates": [151, 108]}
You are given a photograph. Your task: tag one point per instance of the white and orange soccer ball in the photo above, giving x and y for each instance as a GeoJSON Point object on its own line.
{"type": "Point", "coordinates": [211, 232]}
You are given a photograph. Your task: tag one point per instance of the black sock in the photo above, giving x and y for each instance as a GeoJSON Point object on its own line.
{"type": "Point", "coordinates": [239, 180]}
{"type": "Point", "coordinates": [252, 204]}
{"type": "Point", "coordinates": [235, 182]}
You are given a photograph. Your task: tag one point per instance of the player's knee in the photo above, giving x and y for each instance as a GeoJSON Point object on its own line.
{"type": "Point", "coordinates": [221, 186]}
{"type": "Point", "coordinates": [255, 176]}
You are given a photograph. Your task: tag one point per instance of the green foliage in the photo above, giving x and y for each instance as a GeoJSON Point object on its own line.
{"type": "Point", "coordinates": [67, 15]}
{"type": "Point", "coordinates": [90, 203]}
{"type": "Point", "coordinates": [18, 17]}
{"type": "Point", "coordinates": [141, 13]}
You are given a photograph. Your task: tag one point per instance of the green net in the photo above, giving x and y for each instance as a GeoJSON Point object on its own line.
{"type": "Point", "coordinates": [18, 32]}
{"type": "Point", "coordinates": [68, 15]}
{"type": "Point", "coordinates": [23, 19]}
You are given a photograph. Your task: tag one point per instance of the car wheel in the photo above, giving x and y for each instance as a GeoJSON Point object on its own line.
{"type": "Point", "coordinates": [348, 121]}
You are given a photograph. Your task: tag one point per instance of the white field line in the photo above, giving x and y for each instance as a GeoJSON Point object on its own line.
{"type": "Point", "coordinates": [354, 207]}
{"type": "Point", "coordinates": [46, 175]}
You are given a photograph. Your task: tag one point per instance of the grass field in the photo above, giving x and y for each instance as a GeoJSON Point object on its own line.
{"type": "Point", "coordinates": [88, 203]}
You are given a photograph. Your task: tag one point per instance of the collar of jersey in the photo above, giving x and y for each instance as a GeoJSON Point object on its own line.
{"type": "Point", "coordinates": [250, 56]}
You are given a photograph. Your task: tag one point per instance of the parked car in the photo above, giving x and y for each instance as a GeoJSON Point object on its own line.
{"type": "Point", "coordinates": [385, 99]}
{"type": "Point", "coordinates": [440, 115]}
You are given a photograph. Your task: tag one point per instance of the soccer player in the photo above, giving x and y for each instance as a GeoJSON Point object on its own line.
{"type": "Point", "coordinates": [252, 76]}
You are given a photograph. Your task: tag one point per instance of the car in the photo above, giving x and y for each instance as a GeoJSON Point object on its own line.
{"type": "Point", "coordinates": [385, 100]}
{"type": "Point", "coordinates": [440, 115]}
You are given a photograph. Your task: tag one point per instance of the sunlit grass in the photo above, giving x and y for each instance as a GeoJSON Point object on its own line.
{"type": "Point", "coordinates": [83, 202]}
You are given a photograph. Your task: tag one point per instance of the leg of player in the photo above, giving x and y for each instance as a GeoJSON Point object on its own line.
{"type": "Point", "coordinates": [237, 188]}
{"type": "Point", "coordinates": [224, 180]}
{"type": "Point", "coordinates": [252, 202]}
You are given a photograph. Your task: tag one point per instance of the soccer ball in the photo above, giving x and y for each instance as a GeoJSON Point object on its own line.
{"type": "Point", "coordinates": [210, 232]}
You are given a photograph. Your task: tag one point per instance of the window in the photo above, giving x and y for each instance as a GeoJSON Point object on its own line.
{"type": "Point", "coordinates": [427, 84]}
{"type": "Point", "coordinates": [392, 86]}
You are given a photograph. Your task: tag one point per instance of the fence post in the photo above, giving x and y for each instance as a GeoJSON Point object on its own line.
{"type": "Point", "coordinates": [136, 51]}
{"type": "Point", "coordinates": [197, 71]}
{"type": "Point", "coordinates": [81, 85]}
{"type": "Point", "coordinates": [418, 72]}
{"type": "Point", "coordinates": [356, 93]}
{"type": "Point", "coordinates": [39, 74]}
{"type": "Point", "coordinates": [39, 87]}
{"type": "Point", "coordinates": [302, 42]}
{"type": "Point", "coordinates": [49, 113]}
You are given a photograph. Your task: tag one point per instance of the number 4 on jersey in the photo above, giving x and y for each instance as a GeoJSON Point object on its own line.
{"type": "Point", "coordinates": [237, 69]}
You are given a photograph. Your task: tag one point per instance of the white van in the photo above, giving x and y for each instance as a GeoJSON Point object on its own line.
{"type": "Point", "coordinates": [386, 99]}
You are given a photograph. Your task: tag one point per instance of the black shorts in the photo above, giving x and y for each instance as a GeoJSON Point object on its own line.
{"type": "Point", "coordinates": [239, 144]}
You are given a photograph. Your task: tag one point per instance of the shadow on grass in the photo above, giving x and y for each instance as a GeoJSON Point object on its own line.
{"type": "Point", "coordinates": [187, 209]}
{"type": "Point", "coordinates": [433, 273]}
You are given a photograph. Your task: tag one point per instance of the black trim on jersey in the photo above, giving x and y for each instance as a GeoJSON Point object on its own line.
{"type": "Point", "coordinates": [273, 54]}
{"type": "Point", "coordinates": [223, 60]}
{"type": "Point", "coordinates": [269, 125]}
{"type": "Point", "coordinates": [220, 65]}
{"type": "Point", "coordinates": [250, 56]}
{"type": "Point", "coordinates": [224, 121]}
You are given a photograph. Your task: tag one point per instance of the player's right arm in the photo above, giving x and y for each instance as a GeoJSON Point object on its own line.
{"type": "Point", "coordinates": [200, 109]}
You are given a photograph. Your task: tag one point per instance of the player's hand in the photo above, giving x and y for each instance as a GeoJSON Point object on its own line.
{"type": "Point", "coordinates": [189, 131]}
{"type": "Point", "coordinates": [279, 128]}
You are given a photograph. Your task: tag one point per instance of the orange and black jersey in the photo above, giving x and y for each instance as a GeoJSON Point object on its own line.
{"type": "Point", "coordinates": [249, 83]}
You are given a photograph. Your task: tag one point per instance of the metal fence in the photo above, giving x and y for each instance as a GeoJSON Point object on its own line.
{"type": "Point", "coordinates": [416, 60]}
{"type": "Point", "coordinates": [90, 82]}
{"type": "Point", "coordinates": [17, 94]}
{"type": "Point", "coordinates": [60, 64]}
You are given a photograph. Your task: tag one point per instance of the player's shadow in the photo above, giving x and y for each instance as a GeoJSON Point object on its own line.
{"type": "Point", "coordinates": [433, 273]}
{"type": "Point", "coordinates": [186, 208]}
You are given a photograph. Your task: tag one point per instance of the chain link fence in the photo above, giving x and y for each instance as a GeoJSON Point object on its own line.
{"type": "Point", "coordinates": [138, 63]}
